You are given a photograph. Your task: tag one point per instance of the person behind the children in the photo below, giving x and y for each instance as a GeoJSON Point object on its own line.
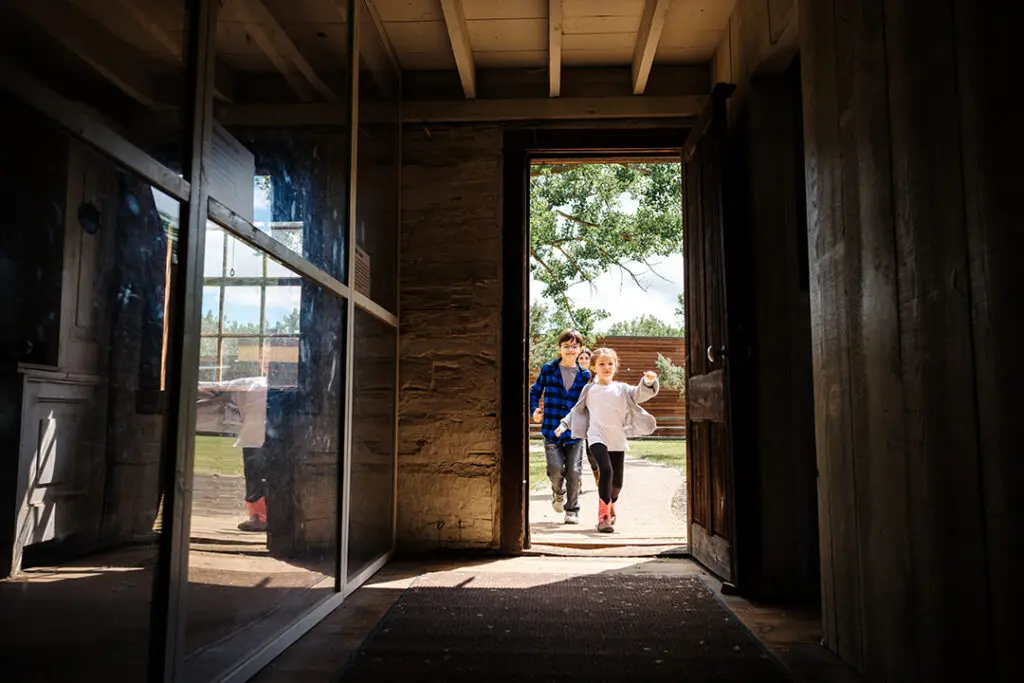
{"type": "Point", "coordinates": [560, 383]}
{"type": "Point", "coordinates": [607, 413]}
{"type": "Point", "coordinates": [583, 360]}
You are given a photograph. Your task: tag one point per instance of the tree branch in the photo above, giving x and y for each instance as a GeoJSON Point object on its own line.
{"type": "Point", "coordinates": [565, 298]}
{"type": "Point", "coordinates": [575, 219]}
{"type": "Point", "coordinates": [651, 268]}
{"type": "Point", "coordinates": [611, 259]}
{"type": "Point", "coordinates": [573, 261]}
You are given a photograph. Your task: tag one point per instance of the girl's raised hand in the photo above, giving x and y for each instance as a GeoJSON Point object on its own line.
{"type": "Point", "coordinates": [650, 376]}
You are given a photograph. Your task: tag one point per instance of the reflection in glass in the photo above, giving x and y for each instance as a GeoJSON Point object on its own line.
{"type": "Point", "coordinates": [373, 442]}
{"type": "Point", "coordinates": [89, 260]}
{"type": "Point", "coordinates": [117, 61]}
{"type": "Point", "coordinates": [299, 196]}
{"type": "Point", "coordinates": [265, 486]}
{"type": "Point", "coordinates": [376, 256]}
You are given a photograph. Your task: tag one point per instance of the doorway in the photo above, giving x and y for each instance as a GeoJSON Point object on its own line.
{"type": "Point", "coordinates": [527, 151]}
{"type": "Point", "coordinates": [605, 261]}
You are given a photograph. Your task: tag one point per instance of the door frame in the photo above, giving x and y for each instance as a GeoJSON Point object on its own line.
{"type": "Point", "coordinates": [520, 147]}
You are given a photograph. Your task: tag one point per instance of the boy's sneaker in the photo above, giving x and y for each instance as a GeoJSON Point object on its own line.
{"type": "Point", "coordinates": [557, 502]}
{"type": "Point", "coordinates": [572, 517]}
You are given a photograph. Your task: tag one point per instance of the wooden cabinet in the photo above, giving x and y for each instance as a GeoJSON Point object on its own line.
{"type": "Point", "coordinates": [53, 480]}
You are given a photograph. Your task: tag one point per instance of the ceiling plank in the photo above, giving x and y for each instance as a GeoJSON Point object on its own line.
{"type": "Point", "coordinates": [647, 39]}
{"type": "Point", "coordinates": [455, 21]}
{"type": "Point", "coordinates": [555, 47]}
{"type": "Point", "coordinates": [676, 107]}
{"type": "Point", "coordinates": [275, 43]}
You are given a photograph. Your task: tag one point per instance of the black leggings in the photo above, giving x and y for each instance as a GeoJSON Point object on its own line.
{"type": "Point", "coordinates": [611, 464]}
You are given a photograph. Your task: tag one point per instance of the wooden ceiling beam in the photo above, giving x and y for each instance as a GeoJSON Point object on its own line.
{"type": "Point", "coordinates": [279, 48]}
{"type": "Point", "coordinates": [554, 48]}
{"type": "Point", "coordinates": [655, 12]}
{"type": "Point", "coordinates": [546, 109]}
{"type": "Point", "coordinates": [455, 20]}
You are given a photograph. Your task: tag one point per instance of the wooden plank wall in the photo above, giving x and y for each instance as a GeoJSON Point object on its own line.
{"type": "Point", "coordinates": [910, 240]}
{"type": "Point", "coordinates": [637, 354]}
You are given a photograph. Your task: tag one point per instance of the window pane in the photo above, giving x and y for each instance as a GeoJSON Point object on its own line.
{"type": "Point", "coordinates": [377, 196]}
{"type": "Point", "coordinates": [213, 257]}
{"type": "Point", "coordinates": [373, 442]}
{"type": "Point", "coordinates": [264, 512]}
{"type": "Point", "coordinates": [242, 260]}
{"type": "Point", "coordinates": [211, 310]}
{"type": "Point", "coordinates": [89, 254]}
{"type": "Point", "coordinates": [283, 304]}
{"type": "Point", "coordinates": [242, 310]}
{"type": "Point", "coordinates": [209, 361]}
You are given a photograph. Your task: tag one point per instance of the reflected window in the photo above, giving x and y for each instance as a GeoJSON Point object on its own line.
{"type": "Point", "coordinates": [251, 319]}
{"type": "Point", "coordinates": [264, 525]}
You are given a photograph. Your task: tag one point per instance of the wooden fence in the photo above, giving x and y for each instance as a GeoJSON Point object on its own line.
{"type": "Point", "coordinates": [637, 354]}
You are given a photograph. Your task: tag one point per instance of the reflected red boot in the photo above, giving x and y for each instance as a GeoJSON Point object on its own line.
{"type": "Point", "coordinates": [604, 522]}
{"type": "Point", "coordinates": [257, 516]}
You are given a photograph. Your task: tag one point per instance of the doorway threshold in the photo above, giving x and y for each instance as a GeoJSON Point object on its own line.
{"type": "Point", "coordinates": [673, 550]}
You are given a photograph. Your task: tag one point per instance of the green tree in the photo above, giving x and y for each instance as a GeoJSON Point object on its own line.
{"type": "Point", "coordinates": [579, 228]}
{"type": "Point", "coordinates": [645, 326]}
{"type": "Point", "coordinates": [287, 325]}
{"type": "Point", "coordinates": [547, 323]}
{"type": "Point", "coordinates": [671, 376]}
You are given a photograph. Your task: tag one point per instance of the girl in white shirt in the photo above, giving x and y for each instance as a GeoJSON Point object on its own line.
{"type": "Point", "coordinates": [608, 412]}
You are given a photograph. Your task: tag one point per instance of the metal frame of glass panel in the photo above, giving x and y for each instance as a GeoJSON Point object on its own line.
{"type": "Point", "coordinates": [168, 604]}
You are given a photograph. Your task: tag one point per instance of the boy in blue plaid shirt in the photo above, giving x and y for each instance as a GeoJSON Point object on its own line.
{"type": "Point", "coordinates": [560, 383]}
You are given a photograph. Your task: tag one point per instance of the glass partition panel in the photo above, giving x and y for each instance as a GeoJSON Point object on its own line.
{"type": "Point", "coordinates": [286, 178]}
{"type": "Point", "coordinates": [89, 263]}
{"type": "Point", "coordinates": [376, 257]}
{"type": "Point", "coordinates": [119, 62]}
{"type": "Point", "coordinates": [373, 442]}
{"type": "Point", "coordinates": [264, 525]}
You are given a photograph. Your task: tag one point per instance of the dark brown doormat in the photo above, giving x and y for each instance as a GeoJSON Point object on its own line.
{"type": "Point", "coordinates": [481, 627]}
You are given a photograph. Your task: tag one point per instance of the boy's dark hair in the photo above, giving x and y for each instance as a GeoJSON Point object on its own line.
{"type": "Point", "coordinates": [570, 335]}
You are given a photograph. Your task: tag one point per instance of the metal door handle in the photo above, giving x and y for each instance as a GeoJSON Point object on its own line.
{"type": "Point", "coordinates": [716, 355]}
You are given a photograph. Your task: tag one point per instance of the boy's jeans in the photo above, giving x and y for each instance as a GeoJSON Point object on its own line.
{"type": "Point", "coordinates": [565, 466]}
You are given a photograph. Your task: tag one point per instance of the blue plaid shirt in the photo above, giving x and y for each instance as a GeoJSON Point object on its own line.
{"type": "Point", "coordinates": [557, 401]}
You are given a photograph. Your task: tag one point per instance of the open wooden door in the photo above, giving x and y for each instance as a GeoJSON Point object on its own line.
{"type": "Point", "coordinates": [709, 463]}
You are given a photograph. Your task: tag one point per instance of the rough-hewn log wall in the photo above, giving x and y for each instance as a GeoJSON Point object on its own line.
{"type": "Point", "coordinates": [449, 437]}
{"type": "Point", "coordinates": [911, 241]}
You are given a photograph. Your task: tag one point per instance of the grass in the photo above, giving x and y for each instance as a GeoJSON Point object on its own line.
{"type": "Point", "coordinates": [218, 455]}
{"type": "Point", "coordinates": [671, 452]}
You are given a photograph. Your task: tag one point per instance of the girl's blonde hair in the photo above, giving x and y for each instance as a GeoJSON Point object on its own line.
{"type": "Point", "coordinates": [603, 351]}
